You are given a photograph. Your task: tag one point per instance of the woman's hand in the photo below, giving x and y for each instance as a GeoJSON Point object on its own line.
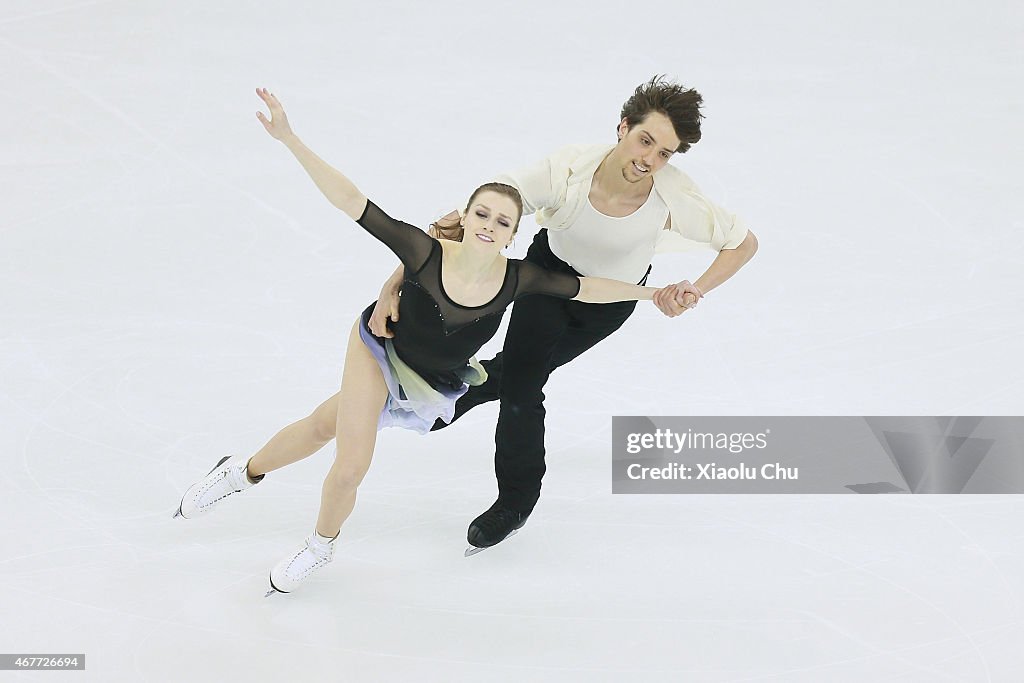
{"type": "Point", "coordinates": [676, 299]}
{"type": "Point", "coordinates": [277, 126]}
{"type": "Point", "coordinates": [338, 189]}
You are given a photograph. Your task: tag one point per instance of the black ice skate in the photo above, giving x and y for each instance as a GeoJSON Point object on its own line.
{"type": "Point", "coordinates": [493, 527]}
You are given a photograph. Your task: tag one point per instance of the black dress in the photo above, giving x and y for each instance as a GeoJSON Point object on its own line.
{"type": "Point", "coordinates": [434, 335]}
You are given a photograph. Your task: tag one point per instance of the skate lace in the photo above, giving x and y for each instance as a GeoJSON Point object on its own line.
{"type": "Point", "coordinates": [310, 557]}
{"type": "Point", "coordinates": [226, 483]}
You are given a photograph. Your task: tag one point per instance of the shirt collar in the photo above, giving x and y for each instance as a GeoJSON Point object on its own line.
{"type": "Point", "coordinates": [586, 164]}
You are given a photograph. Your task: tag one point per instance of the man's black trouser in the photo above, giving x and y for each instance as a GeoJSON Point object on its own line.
{"type": "Point", "coordinates": [543, 334]}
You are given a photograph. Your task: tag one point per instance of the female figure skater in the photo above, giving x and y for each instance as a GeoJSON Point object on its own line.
{"type": "Point", "coordinates": [453, 298]}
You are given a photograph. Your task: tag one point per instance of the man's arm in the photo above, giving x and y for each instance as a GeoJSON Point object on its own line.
{"type": "Point", "coordinates": [726, 264]}
{"type": "Point", "coordinates": [387, 304]}
{"type": "Point", "coordinates": [534, 183]}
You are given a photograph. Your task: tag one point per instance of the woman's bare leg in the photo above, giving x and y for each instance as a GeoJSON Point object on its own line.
{"type": "Point", "coordinates": [298, 440]}
{"type": "Point", "coordinates": [362, 397]}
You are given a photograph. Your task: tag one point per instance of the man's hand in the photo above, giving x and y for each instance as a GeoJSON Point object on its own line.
{"type": "Point", "coordinates": [385, 308]}
{"type": "Point", "coordinates": [676, 299]}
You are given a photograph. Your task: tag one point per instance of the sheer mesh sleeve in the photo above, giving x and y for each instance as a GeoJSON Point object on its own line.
{"type": "Point", "coordinates": [410, 244]}
{"type": "Point", "coordinates": [535, 280]}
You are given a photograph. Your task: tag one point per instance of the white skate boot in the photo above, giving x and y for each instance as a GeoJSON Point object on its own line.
{"type": "Point", "coordinates": [289, 573]}
{"type": "Point", "coordinates": [227, 476]}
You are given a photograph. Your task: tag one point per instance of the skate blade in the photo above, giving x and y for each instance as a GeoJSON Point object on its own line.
{"type": "Point", "coordinates": [473, 550]}
{"type": "Point", "coordinates": [274, 589]}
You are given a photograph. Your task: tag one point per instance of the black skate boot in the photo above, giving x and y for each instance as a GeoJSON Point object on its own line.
{"type": "Point", "coordinates": [493, 527]}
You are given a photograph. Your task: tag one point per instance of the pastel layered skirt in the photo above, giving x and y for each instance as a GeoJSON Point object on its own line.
{"type": "Point", "coordinates": [412, 403]}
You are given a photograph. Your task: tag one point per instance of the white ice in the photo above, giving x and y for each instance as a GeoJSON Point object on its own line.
{"type": "Point", "coordinates": [174, 289]}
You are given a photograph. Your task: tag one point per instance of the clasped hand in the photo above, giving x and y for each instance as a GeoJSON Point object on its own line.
{"type": "Point", "coordinates": [676, 299]}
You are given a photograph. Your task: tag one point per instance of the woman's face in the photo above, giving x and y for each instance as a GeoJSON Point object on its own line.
{"type": "Point", "coordinates": [491, 220]}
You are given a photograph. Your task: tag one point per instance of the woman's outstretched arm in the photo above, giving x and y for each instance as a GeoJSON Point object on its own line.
{"type": "Point", "coordinates": [338, 189]}
{"type": "Point", "coordinates": [598, 290]}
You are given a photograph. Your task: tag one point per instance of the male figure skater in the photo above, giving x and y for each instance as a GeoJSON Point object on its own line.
{"type": "Point", "coordinates": [604, 211]}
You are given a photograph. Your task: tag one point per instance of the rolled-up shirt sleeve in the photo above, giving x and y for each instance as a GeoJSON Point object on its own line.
{"type": "Point", "coordinates": [698, 223]}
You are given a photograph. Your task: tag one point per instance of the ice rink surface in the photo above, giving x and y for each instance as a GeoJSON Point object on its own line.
{"type": "Point", "coordinates": [176, 289]}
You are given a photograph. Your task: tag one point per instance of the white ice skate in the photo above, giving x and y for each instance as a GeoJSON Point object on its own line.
{"type": "Point", "coordinates": [290, 572]}
{"type": "Point", "coordinates": [227, 476]}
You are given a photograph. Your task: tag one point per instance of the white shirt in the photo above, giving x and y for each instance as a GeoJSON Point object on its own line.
{"type": "Point", "coordinates": [605, 246]}
{"type": "Point", "coordinates": [557, 188]}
